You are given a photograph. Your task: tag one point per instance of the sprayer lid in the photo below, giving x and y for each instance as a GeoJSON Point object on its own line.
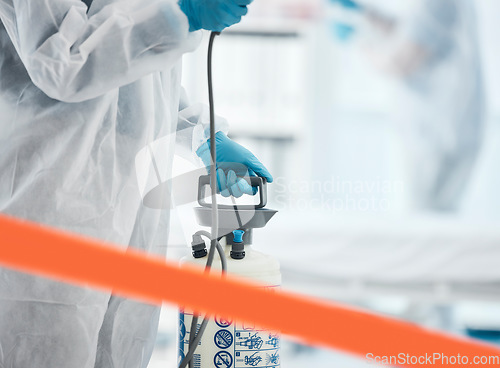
{"type": "Point", "coordinates": [228, 219]}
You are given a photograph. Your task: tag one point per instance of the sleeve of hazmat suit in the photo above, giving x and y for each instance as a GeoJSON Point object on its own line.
{"type": "Point", "coordinates": [433, 26]}
{"type": "Point", "coordinates": [193, 126]}
{"type": "Point", "coordinates": [73, 56]}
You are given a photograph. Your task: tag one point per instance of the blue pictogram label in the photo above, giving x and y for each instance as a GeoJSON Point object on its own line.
{"type": "Point", "coordinates": [223, 359]}
{"type": "Point", "coordinates": [223, 339]}
{"type": "Point", "coordinates": [182, 330]}
{"type": "Point", "coordinates": [223, 322]}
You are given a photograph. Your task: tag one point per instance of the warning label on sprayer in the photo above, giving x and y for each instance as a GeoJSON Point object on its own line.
{"type": "Point", "coordinates": [226, 344]}
{"type": "Point", "coordinates": [254, 348]}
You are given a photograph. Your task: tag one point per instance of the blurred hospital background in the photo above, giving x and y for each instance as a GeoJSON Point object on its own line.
{"type": "Point", "coordinates": [380, 122]}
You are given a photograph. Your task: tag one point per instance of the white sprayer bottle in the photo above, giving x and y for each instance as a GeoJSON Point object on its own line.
{"type": "Point", "coordinates": [226, 343]}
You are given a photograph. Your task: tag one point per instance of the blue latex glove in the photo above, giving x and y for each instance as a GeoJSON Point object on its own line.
{"type": "Point", "coordinates": [234, 162]}
{"type": "Point", "coordinates": [349, 4]}
{"type": "Point", "coordinates": [344, 32]}
{"type": "Point", "coordinates": [213, 15]}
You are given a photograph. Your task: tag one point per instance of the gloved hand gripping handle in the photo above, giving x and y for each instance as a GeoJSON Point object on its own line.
{"type": "Point", "coordinates": [254, 181]}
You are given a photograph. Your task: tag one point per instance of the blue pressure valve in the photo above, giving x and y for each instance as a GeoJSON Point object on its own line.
{"type": "Point", "coordinates": [238, 236]}
{"type": "Point", "coordinates": [238, 247]}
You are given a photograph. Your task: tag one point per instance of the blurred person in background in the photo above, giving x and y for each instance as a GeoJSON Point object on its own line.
{"type": "Point", "coordinates": [433, 52]}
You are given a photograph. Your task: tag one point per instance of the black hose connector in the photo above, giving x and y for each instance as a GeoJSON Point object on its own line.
{"type": "Point", "coordinates": [237, 246]}
{"type": "Point", "coordinates": [199, 247]}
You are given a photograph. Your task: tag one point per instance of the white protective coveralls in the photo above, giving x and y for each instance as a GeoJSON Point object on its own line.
{"type": "Point", "coordinates": [80, 95]}
{"type": "Point", "coordinates": [441, 100]}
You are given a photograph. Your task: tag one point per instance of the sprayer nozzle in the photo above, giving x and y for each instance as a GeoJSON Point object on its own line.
{"type": "Point", "coordinates": [199, 247]}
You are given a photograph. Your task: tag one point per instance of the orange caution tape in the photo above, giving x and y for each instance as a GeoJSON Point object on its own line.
{"type": "Point", "coordinates": [35, 249]}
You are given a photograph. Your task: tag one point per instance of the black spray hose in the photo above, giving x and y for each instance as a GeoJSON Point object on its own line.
{"type": "Point", "coordinates": [213, 154]}
{"type": "Point", "coordinates": [195, 337]}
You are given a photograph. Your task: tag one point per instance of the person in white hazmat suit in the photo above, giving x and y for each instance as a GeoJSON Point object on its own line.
{"type": "Point", "coordinates": [82, 91]}
{"type": "Point", "coordinates": [433, 51]}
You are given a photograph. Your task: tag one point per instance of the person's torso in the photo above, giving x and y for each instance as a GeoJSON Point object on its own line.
{"type": "Point", "coordinates": [71, 165]}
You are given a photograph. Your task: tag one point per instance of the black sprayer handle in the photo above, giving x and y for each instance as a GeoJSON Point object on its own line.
{"type": "Point", "coordinates": [255, 181]}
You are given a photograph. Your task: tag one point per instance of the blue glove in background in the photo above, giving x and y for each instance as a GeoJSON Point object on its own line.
{"type": "Point", "coordinates": [213, 15]}
{"type": "Point", "coordinates": [349, 4]}
{"type": "Point", "coordinates": [234, 162]}
{"type": "Point", "coordinates": [344, 32]}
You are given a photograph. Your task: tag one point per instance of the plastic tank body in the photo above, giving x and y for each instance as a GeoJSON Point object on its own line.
{"type": "Point", "coordinates": [230, 344]}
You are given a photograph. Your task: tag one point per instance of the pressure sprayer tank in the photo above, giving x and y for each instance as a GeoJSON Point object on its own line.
{"type": "Point", "coordinates": [227, 343]}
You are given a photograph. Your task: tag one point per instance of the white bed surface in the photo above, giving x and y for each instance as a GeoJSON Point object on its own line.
{"type": "Point", "coordinates": [441, 251]}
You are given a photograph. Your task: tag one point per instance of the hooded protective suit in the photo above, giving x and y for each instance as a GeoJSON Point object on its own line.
{"type": "Point", "coordinates": [433, 51]}
{"type": "Point", "coordinates": [80, 95]}
{"type": "Point", "coordinates": [443, 102]}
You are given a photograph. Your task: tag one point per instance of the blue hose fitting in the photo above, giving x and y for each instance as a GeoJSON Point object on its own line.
{"type": "Point", "coordinates": [238, 236]}
{"type": "Point", "coordinates": [238, 247]}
